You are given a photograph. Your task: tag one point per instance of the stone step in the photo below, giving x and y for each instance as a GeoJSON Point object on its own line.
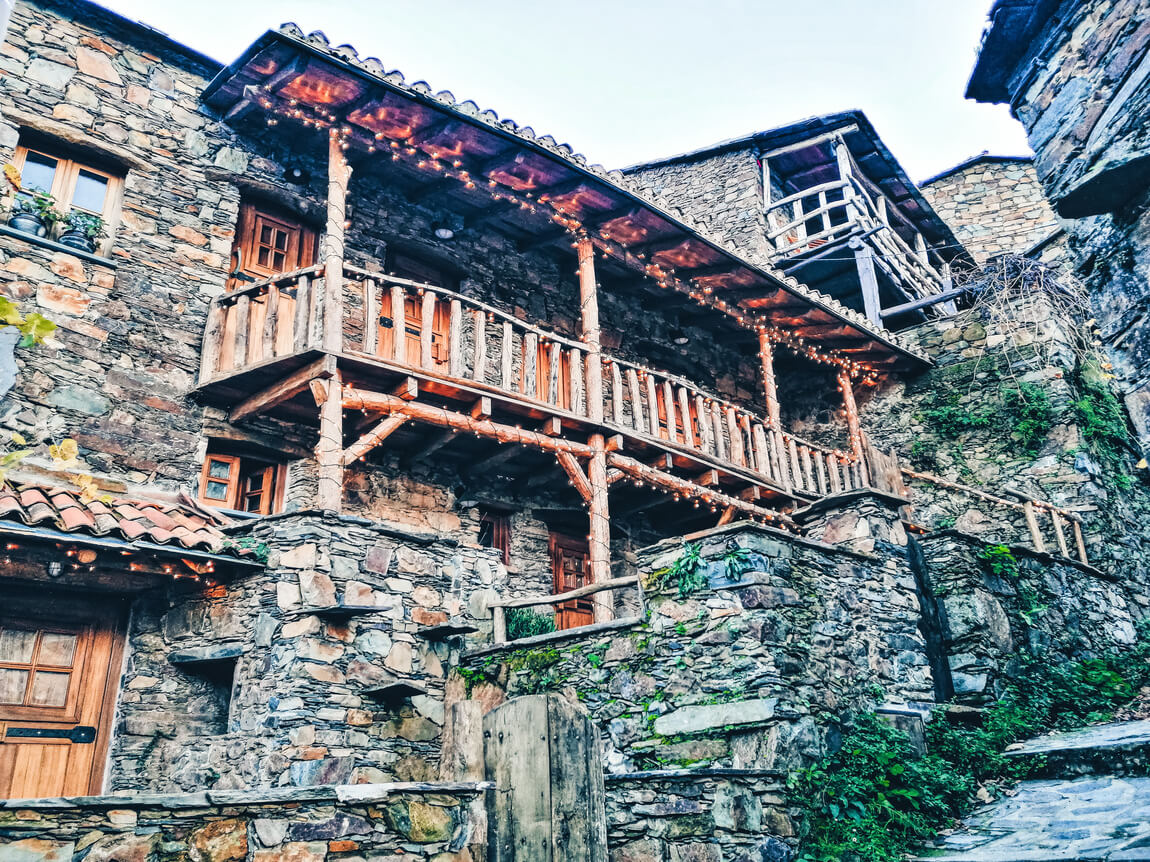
{"type": "Point", "coordinates": [1099, 819]}
{"type": "Point", "coordinates": [1119, 748]}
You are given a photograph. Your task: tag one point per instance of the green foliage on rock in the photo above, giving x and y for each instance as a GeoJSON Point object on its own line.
{"type": "Point", "coordinates": [525, 623]}
{"type": "Point", "coordinates": [1101, 417]}
{"type": "Point", "coordinates": [875, 798]}
{"type": "Point", "coordinates": [687, 572]}
{"type": "Point", "coordinates": [999, 560]}
{"type": "Point", "coordinates": [1028, 414]}
{"type": "Point", "coordinates": [1019, 411]}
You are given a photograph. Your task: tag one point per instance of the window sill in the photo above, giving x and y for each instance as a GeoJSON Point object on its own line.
{"type": "Point", "coordinates": [52, 245]}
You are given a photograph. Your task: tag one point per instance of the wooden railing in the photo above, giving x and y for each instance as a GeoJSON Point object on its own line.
{"type": "Point", "coordinates": [1035, 513]}
{"type": "Point", "coordinates": [446, 334]}
{"type": "Point", "coordinates": [672, 410]}
{"type": "Point", "coordinates": [499, 606]}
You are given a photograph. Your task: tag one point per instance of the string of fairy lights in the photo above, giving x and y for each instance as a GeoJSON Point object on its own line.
{"type": "Point", "coordinates": [86, 560]}
{"type": "Point", "coordinates": [429, 158]}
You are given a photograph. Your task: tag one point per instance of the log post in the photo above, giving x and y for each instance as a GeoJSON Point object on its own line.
{"type": "Point", "coordinates": [599, 536]}
{"type": "Point", "coordinates": [338, 175]}
{"type": "Point", "coordinates": [767, 354]}
{"type": "Point", "coordinates": [854, 430]}
{"type": "Point", "coordinates": [329, 447]}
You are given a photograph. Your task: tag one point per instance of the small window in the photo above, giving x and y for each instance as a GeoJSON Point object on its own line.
{"type": "Point", "coordinates": [268, 241]}
{"type": "Point", "coordinates": [241, 484]}
{"type": "Point", "coordinates": [76, 186]}
{"type": "Point", "coordinates": [495, 532]}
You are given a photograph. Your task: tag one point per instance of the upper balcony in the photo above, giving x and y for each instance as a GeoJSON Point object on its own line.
{"type": "Point", "coordinates": [843, 217]}
{"type": "Point", "coordinates": [451, 355]}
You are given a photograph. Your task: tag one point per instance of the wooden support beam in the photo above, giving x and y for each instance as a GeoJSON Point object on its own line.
{"type": "Point", "coordinates": [854, 429]}
{"type": "Point", "coordinates": [408, 389]}
{"type": "Point", "coordinates": [431, 447]}
{"type": "Point", "coordinates": [329, 447]}
{"type": "Point", "coordinates": [284, 390]}
{"type": "Point", "coordinates": [502, 456]}
{"type": "Point", "coordinates": [372, 439]}
{"type": "Point", "coordinates": [599, 536]}
{"type": "Point", "coordinates": [615, 443]}
{"type": "Point", "coordinates": [707, 478]}
{"type": "Point", "coordinates": [318, 392]}
{"type": "Point", "coordinates": [590, 333]}
{"type": "Point", "coordinates": [541, 239]}
{"type": "Point", "coordinates": [686, 488]}
{"type": "Point", "coordinates": [481, 409]}
{"type": "Point", "coordinates": [338, 176]}
{"type": "Point", "coordinates": [552, 426]}
{"type": "Point", "coordinates": [727, 516]}
{"type": "Point", "coordinates": [767, 355]}
{"type": "Point", "coordinates": [1032, 525]}
{"type": "Point", "coordinates": [575, 473]}
{"type": "Point", "coordinates": [355, 399]}
{"type": "Point", "coordinates": [868, 282]}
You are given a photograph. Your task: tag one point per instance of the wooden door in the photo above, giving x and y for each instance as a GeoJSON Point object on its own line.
{"type": "Point", "coordinates": [412, 326]}
{"type": "Point", "coordinates": [571, 569]}
{"type": "Point", "coordinates": [59, 672]}
{"type": "Point", "coordinates": [267, 242]}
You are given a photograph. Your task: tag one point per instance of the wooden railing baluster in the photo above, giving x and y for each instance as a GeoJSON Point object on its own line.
{"type": "Point", "coordinates": [669, 407]}
{"type": "Point", "coordinates": [636, 399]}
{"type": "Point", "coordinates": [703, 422]}
{"type": "Point", "coordinates": [454, 339]}
{"type": "Point", "coordinates": [528, 373]}
{"type": "Point", "coordinates": [427, 330]}
{"type": "Point", "coordinates": [721, 448]}
{"type": "Point", "coordinates": [553, 372]}
{"type": "Point", "coordinates": [271, 323]}
{"type": "Point", "coordinates": [370, 315]}
{"type": "Point", "coordinates": [617, 396]}
{"type": "Point", "coordinates": [652, 406]}
{"type": "Point", "coordinates": [575, 381]}
{"type": "Point", "coordinates": [737, 453]}
{"type": "Point", "coordinates": [398, 324]}
{"type": "Point", "coordinates": [506, 361]}
{"type": "Point", "coordinates": [689, 436]}
{"type": "Point", "coordinates": [479, 361]}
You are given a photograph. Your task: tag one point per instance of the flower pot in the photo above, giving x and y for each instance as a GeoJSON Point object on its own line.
{"type": "Point", "coordinates": [77, 239]}
{"type": "Point", "coordinates": [27, 223]}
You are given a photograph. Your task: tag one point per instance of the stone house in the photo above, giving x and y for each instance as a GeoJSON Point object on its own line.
{"type": "Point", "coordinates": [1075, 75]}
{"type": "Point", "coordinates": [357, 376]}
{"type": "Point", "coordinates": [995, 205]}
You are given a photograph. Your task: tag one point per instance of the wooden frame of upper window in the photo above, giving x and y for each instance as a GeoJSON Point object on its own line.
{"type": "Point", "coordinates": [298, 248]}
{"type": "Point", "coordinates": [67, 173]}
{"type": "Point", "coordinates": [247, 482]}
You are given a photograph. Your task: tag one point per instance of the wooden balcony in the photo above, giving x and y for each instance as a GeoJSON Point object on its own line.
{"type": "Point", "coordinates": [465, 358]}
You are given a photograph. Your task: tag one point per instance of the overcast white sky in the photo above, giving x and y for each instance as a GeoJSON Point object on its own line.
{"type": "Point", "coordinates": [624, 82]}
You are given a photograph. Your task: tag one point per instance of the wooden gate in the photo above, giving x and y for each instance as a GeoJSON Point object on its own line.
{"type": "Point", "coordinates": [59, 671]}
{"type": "Point", "coordinates": [546, 760]}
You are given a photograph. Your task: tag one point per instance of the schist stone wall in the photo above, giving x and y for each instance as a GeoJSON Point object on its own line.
{"type": "Point", "coordinates": [268, 680]}
{"type": "Point", "coordinates": [994, 204]}
{"type": "Point", "coordinates": [1037, 603]}
{"type": "Point", "coordinates": [782, 638]}
{"type": "Point", "coordinates": [1080, 92]}
{"type": "Point", "coordinates": [444, 822]}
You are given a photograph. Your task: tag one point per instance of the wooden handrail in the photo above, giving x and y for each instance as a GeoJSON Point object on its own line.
{"type": "Point", "coordinates": [806, 193]}
{"type": "Point", "coordinates": [256, 286]}
{"type": "Point", "coordinates": [559, 598]}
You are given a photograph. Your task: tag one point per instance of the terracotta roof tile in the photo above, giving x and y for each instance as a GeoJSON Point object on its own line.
{"type": "Point", "coordinates": [180, 523]}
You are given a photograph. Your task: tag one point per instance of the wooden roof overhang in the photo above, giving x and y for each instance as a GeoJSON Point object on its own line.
{"type": "Point", "coordinates": [497, 174]}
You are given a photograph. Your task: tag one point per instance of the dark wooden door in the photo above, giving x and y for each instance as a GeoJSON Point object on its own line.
{"type": "Point", "coordinates": [59, 672]}
{"type": "Point", "coordinates": [571, 569]}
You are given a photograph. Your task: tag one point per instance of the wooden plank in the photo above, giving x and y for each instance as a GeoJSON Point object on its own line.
{"type": "Point", "coordinates": [868, 282]}
{"type": "Point", "coordinates": [570, 595]}
{"type": "Point", "coordinates": [762, 450]}
{"type": "Point", "coordinates": [808, 473]}
{"type": "Point", "coordinates": [461, 752]}
{"type": "Point", "coordinates": [796, 473]}
{"type": "Point", "coordinates": [398, 325]}
{"type": "Point", "coordinates": [213, 341]}
{"type": "Point", "coordinates": [717, 428]}
{"type": "Point", "coordinates": [427, 330]}
{"type": "Point", "coordinates": [652, 406]}
{"type": "Point", "coordinates": [575, 381]}
{"type": "Point", "coordinates": [553, 365]}
{"type": "Point", "coordinates": [370, 316]}
{"type": "Point", "coordinates": [271, 323]}
{"type": "Point", "coordinates": [703, 420]}
{"type": "Point", "coordinates": [505, 363]}
{"type": "Point", "coordinates": [833, 472]}
{"type": "Point", "coordinates": [1080, 542]}
{"type": "Point", "coordinates": [372, 438]}
{"type": "Point", "coordinates": [517, 761]}
{"type": "Point", "coordinates": [821, 471]}
{"type": "Point", "coordinates": [301, 327]}
{"type": "Point", "coordinates": [778, 447]}
{"type": "Point", "coordinates": [575, 473]}
{"type": "Point", "coordinates": [1060, 534]}
{"type": "Point", "coordinates": [636, 400]}
{"type": "Point", "coordinates": [283, 390]}
{"type": "Point", "coordinates": [243, 321]}
{"type": "Point", "coordinates": [689, 436]}
{"type": "Point", "coordinates": [617, 395]}
{"type": "Point", "coordinates": [669, 407]}
{"type": "Point", "coordinates": [454, 337]}
{"type": "Point", "coordinates": [590, 330]}
{"type": "Point", "coordinates": [737, 455]}
{"type": "Point", "coordinates": [1032, 525]}
{"type": "Point", "coordinates": [748, 442]}
{"type": "Point", "coordinates": [527, 371]}
{"type": "Point", "coordinates": [479, 359]}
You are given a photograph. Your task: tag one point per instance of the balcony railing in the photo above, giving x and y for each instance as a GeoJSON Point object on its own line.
{"type": "Point", "coordinates": [456, 339]}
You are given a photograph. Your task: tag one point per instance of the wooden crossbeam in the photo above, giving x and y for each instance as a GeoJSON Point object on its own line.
{"type": "Point", "coordinates": [501, 456]}
{"type": "Point", "coordinates": [284, 390]}
{"type": "Point", "coordinates": [727, 516]}
{"type": "Point", "coordinates": [372, 439]}
{"type": "Point", "coordinates": [431, 447]}
{"type": "Point", "coordinates": [575, 473]}
{"type": "Point", "coordinates": [355, 399]}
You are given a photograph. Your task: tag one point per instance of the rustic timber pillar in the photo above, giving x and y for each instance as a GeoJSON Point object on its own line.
{"type": "Point", "coordinates": [329, 447]}
{"type": "Point", "coordinates": [767, 355]}
{"type": "Point", "coordinates": [854, 429]}
{"type": "Point", "coordinates": [599, 535]}
{"type": "Point", "coordinates": [338, 176]}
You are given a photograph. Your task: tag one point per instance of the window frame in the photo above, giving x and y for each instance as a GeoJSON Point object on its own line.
{"type": "Point", "coordinates": [500, 532]}
{"type": "Point", "coordinates": [242, 469]}
{"type": "Point", "coordinates": [303, 242]}
{"type": "Point", "coordinates": [64, 185]}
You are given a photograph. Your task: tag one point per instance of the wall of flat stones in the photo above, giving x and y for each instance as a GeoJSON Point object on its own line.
{"type": "Point", "coordinates": [442, 822]}
{"type": "Point", "coordinates": [699, 815]}
{"type": "Point", "coordinates": [745, 673]}
{"type": "Point", "coordinates": [1051, 607]}
{"type": "Point", "coordinates": [300, 712]}
{"type": "Point", "coordinates": [1066, 109]}
{"type": "Point", "coordinates": [994, 207]}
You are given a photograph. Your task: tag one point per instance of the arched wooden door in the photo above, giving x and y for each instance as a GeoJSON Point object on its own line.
{"type": "Point", "coordinates": [59, 673]}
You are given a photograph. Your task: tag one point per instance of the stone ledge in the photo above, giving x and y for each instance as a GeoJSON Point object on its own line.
{"type": "Point", "coordinates": [392, 530]}
{"type": "Point", "coordinates": [692, 774]}
{"type": "Point", "coordinates": [783, 535]}
{"type": "Point", "coordinates": [553, 637]}
{"type": "Point", "coordinates": [52, 245]}
{"type": "Point", "coordinates": [1024, 550]}
{"type": "Point", "coordinates": [346, 793]}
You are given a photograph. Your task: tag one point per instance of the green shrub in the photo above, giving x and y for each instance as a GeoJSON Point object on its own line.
{"type": "Point", "coordinates": [999, 560]}
{"type": "Point", "coordinates": [525, 623]}
{"type": "Point", "coordinates": [1101, 418]}
{"type": "Point", "coordinates": [1029, 413]}
{"type": "Point", "coordinates": [686, 572]}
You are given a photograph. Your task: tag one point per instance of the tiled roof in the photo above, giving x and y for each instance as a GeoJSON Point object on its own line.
{"type": "Point", "coordinates": [171, 519]}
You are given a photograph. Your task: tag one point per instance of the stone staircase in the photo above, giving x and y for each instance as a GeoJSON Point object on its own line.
{"type": "Point", "coordinates": [1091, 803]}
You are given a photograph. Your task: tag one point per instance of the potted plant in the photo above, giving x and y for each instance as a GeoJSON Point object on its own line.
{"type": "Point", "coordinates": [34, 213]}
{"type": "Point", "coordinates": [82, 230]}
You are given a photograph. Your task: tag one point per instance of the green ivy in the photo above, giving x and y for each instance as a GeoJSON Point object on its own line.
{"type": "Point", "coordinates": [1101, 417]}
{"type": "Point", "coordinates": [1028, 413]}
{"type": "Point", "coordinates": [999, 560]}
